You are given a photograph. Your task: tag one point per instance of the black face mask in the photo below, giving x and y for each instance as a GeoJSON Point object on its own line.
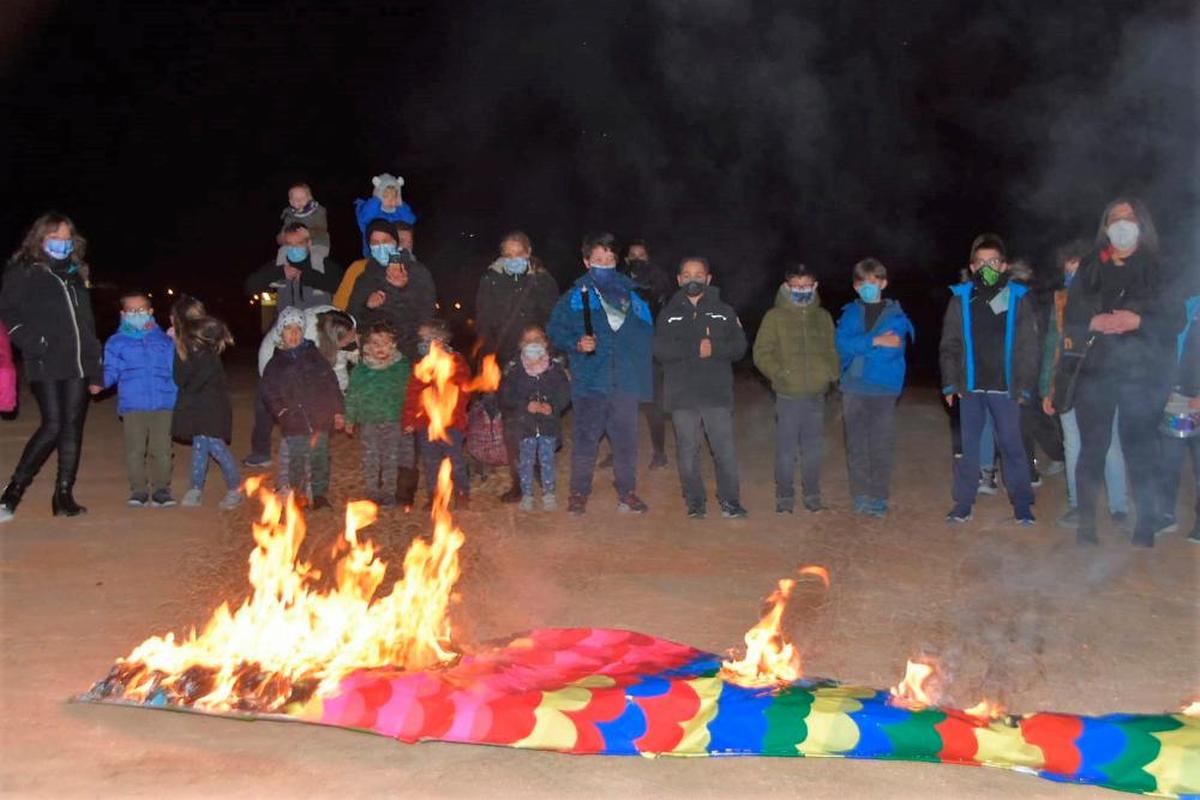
{"type": "Point", "coordinates": [349, 348]}
{"type": "Point", "coordinates": [694, 288]}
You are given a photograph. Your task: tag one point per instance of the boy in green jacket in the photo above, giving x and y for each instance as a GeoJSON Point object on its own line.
{"type": "Point", "coordinates": [795, 350]}
{"type": "Point", "coordinates": [374, 401]}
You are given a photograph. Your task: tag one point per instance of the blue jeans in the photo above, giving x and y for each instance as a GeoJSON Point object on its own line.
{"type": "Point", "coordinates": [596, 414]}
{"type": "Point", "coordinates": [205, 446]}
{"type": "Point", "coordinates": [432, 453]}
{"type": "Point", "coordinates": [539, 450]}
{"type": "Point", "coordinates": [973, 407]}
{"type": "Point", "coordinates": [1114, 464]}
{"type": "Point", "coordinates": [987, 443]}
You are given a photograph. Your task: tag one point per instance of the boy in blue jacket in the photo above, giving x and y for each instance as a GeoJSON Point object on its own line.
{"type": "Point", "coordinates": [138, 360]}
{"type": "Point", "coordinates": [870, 338]}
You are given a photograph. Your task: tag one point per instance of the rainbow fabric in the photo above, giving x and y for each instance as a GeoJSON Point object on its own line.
{"type": "Point", "coordinates": [614, 692]}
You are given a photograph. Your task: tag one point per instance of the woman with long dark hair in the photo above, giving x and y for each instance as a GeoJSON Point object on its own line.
{"type": "Point", "coordinates": [1118, 328]}
{"type": "Point", "coordinates": [45, 304]}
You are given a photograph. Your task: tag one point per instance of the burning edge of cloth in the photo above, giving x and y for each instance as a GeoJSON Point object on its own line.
{"type": "Point", "coordinates": [615, 692]}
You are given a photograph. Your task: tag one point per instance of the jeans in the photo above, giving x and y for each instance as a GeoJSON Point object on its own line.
{"type": "Point", "coordinates": [264, 423]}
{"type": "Point", "coordinates": [1114, 464]}
{"type": "Point", "coordinates": [539, 450]}
{"type": "Point", "coordinates": [205, 446]}
{"type": "Point", "coordinates": [432, 454]}
{"type": "Point", "coordinates": [987, 443]}
{"type": "Point", "coordinates": [1173, 453]}
{"type": "Point", "coordinates": [870, 423]}
{"type": "Point", "coordinates": [309, 454]}
{"type": "Point", "coordinates": [148, 433]}
{"type": "Point", "coordinates": [691, 425]}
{"type": "Point", "coordinates": [381, 446]}
{"type": "Point", "coordinates": [597, 414]}
{"type": "Point", "coordinates": [63, 406]}
{"type": "Point", "coordinates": [1006, 413]}
{"type": "Point", "coordinates": [799, 421]}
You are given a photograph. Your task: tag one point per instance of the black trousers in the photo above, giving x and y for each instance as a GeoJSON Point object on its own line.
{"type": "Point", "coordinates": [63, 405]}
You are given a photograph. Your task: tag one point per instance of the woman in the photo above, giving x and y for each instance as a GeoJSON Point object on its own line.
{"type": "Point", "coordinates": [45, 304]}
{"type": "Point", "coordinates": [1118, 327]}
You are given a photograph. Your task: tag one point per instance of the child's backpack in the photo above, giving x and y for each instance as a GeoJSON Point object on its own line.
{"type": "Point", "coordinates": [485, 435]}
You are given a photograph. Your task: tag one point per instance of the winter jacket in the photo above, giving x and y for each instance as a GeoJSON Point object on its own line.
{"type": "Point", "coordinates": [1187, 351]}
{"type": "Point", "coordinates": [505, 304]}
{"type": "Point", "coordinates": [622, 359]}
{"type": "Point", "coordinates": [318, 280]}
{"type": "Point", "coordinates": [518, 388]}
{"type": "Point", "coordinates": [49, 318]}
{"type": "Point", "coordinates": [794, 347]}
{"type": "Point", "coordinates": [301, 390]}
{"type": "Point", "coordinates": [372, 208]}
{"type": "Point", "coordinates": [654, 284]}
{"type": "Point", "coordinates": [690, 381]}
{"type": "Point", "coordinates": [8, 373]}
{"type": "Point", "coordinates": [142, 367]}
{"type": "Point", "coordinates": [1017, 350]}
{"type": "Point", "coordinates": [413, 415]}
{"type": "Point", "coordinates": [376, 393]}
{"type": "Point", "coordinates": [404, 309]}
{"type": "Point", "coordinates": [868, 368]}
{"type": "Point", "coordinates": [315, 218]}
{"type": "Point", "coordinates": [341, 363]}
{"type": "Point", "coordinates": [341, 298]}
{"type": "Point", "coordinates": [202, 407]}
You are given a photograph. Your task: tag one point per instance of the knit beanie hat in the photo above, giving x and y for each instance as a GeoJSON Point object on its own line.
{"type": "Point", "coordinates": [291, 316]}
{"type": "Point", "coordinates": [385, 180]}
{"type": "Point", "coordinates": [383, 226]}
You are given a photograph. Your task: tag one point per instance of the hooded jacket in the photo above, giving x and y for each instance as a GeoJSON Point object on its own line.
{"type": "Point", "coordinates": [518, 388]}
{"type": "Point", "coordinates": [49, 318]}
{"type": "Point", "coordinates": [690, 381]}
{"type": "Point", "coordinates": [318, 280]}
{"type": "Point", "coordinates": [404, 309]}
{"type": "Point", "coordinates": [202, 407]}
{"type": "Point", "coordinates": [505, 304]}
{"type": "Point", "coordinates": [1016, 350]}
{"type": "Point", "coordinates": [142, 369]}
{"type": "Point", "coordinates": [312, 316]}
{"type": "Point", "coordinates": [622, 359]}
{"type": "Point", "coordinates": [371, 208]}
{"type": "Point", "coordinates": [301, 390]}
{"type": "Point", "coordinates": [868, 368]}
{"type": "Point", "coordinates": [794, 347]}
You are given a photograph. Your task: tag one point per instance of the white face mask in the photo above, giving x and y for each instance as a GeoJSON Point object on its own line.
{"type": "Point", "coordinates": [1123, 234]}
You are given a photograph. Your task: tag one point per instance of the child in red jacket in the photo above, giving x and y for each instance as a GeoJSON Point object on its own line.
{"type": "Point", "coordinates": [414, 418]}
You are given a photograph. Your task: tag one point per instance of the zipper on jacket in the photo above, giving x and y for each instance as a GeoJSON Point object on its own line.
{"type": "Point", "coordinates": [74, 322]}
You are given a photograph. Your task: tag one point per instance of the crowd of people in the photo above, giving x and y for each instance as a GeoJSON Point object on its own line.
{"type": "Point", "coordinates": [1105, 378]}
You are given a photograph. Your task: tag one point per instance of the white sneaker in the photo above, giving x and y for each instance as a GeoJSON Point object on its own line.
{"type": "Point", "coordinates": [548, 502]}
{"type": "Point", "coordinates": [232, 499]}
{"type": "Point", "coordinates": [527, 503]}
{"type": "Point", "coordinates": [191, 498]}
{"type": "Point", "coordinates": [6, 514]}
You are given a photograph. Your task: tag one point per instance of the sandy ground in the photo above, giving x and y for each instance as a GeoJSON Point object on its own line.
{"type": "Point", "coordinates": [1016, 612]}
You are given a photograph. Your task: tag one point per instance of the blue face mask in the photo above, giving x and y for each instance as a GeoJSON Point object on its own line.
{"type": "Point", "coordinates": [869, 292]}
{"type": "Point", "coordinates": [802, 297]}
{"type": "Point", "coordinates": [136, 323]}
{"type": "Point", "coordinates": [383, 252]}
{"type": "Point", "coordinates": [516, 266]}
{"type": "Point", "coordinates": [1067, 278]}
{"type": "Point", "coordinates": [59, 249]}
{"type": "Point", "coordinates": [423, 347]}
{"type": "Point", "coordinates": [297, 253]}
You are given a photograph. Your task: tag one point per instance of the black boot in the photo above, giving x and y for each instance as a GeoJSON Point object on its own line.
{"type": "Point", "coordinates": [11, 498]}
{"type": "Point", "coordinates": [63, 503]}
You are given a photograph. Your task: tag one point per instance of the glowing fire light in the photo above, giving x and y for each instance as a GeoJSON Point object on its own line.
{"type": "Point", "coordinates": [986, 709]}
{"type": "Point", "coordinates": [1192, 709]}
{"type": "Point", "coordinates": [921, 686]}
{"type": "Point", "coordinates": [770, 659]}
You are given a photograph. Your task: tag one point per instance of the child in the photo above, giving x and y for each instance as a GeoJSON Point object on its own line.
{"type": "Point", "coordinates": [373, 402]}
{"type": "Point", "coordinates": [303, 208]}
{"type": "Point", "coordinates": [989, 364]}
{"type": "Point", "coordinates": [203, 411]}
{"type": "Point", "coordinates": [538, 390]}
{"type": "Point", "coordinates": [139, 359]}
{"type": "Point", "coordinates": [794, 350]}
{"type": "Point", "coordinates": [870, 339]}
{"type": "Point", "coordinates": [436, 333]}
{"type": "Point", "coordinates": [302, 394]}
{"type": "Point", "coordinates": [386, 203]}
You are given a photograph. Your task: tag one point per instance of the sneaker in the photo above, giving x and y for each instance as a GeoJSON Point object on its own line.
{"type": "Point", "coordinates": [232, 499]}
{"type": "Point", "coordinates": [958, 515]}
{"type": "Point", "coordinates": [733, 510]}
{"type": "Point", "coordinates": [549, 503]}
{"type": "Point", "coordinates": [6, 514]}
{"type": "Point", "coordinates": [1166, 523]}
{"type": "Point", "coordinates": [658, 461]}
{"type": "Point", "coordinates": [1053, 468]}
{"type": "Point", "coordinates": [526, 503]}
{"type": "Point", "coordinates": [861, 503]}
{"type": "Point", "coordinates": [876, 507]}
{"type": "Point", "coordinates": [1086, 537]}
{"type": "Point", "coordinates": [576, 505]}
{"type": "Point", "coordinates": [255, 461]}
{"type": "Point", "coordinates": [987, 482]}
{"type": "Point", "coordinates": [630, 503]}
{"type": "Point", "coordinates": [162, 499]}
{"type": "Point", "coordinates": [1035, 479]}
{"type": "Point", "coordinates": [191, 498]}
{"type": "Point", "coordinates": [1025, 517]}
{"type": "Point", "coordinates": [318, 502]}
{"type": "Point", "coordinates": [784, 505]}
{"type": "Point", "coordinates": [137, 500]}
{"type": "Point", "coordinates": [1194, 536]}
{"type": "Point", "coordinates": [813, 504]}
{"type": "Point", "coordinates": [512, 495]}
{"type": "Point", "coordinates": [696, 511]}
{"type": "Point", "coordinates": [1069, 518]}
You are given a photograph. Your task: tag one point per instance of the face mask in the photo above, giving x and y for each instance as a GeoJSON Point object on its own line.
{"type": "Point", "coordinates": [1123, 234]}
{"type": "Point", "coordinates": [694, 288]}
{"type": "Point", "coordinates": [296, 254]}
{"type": "Point", "coordinates": [383, 252]}
{"type": "Point", "coordinates": [802, 297]}
{"type": "Point", "coordinates": [989, 275]}
{"type": "Point", "coordinates": [516, 266]}
{"type": "Point", "coordinates": [59, 249]}
{"type": "Point", "coordinates": [636, 263]}
{"type": "Point", "coordinates": [349, 348]}
{"type": "Point", "coordinates": [423, 347]}
{"type": "Point", "coordinates": [603, 267]}
{"type": "Point", "coordinates": [869, 292]}
{"type": "Point", "coordinates": [137, 320]}
{"type": "Point", "coordinates": [1067, 278]}
{"type": "Point", "coordinates": [534, 351]}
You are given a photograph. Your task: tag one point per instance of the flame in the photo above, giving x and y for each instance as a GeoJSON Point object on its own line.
{"type": "Point", "coordinates": [921, 686]}
{"type": "Point", "coordinates": [986, 709]}
{"type": "Point", "coordinates": [440, 397]}
{"type": "Point", "coordinates": [291, 639]}
{"type": "Point", "coordinates": [1191, 709]}
{"type": "Point", "coordinates": [770, 659]}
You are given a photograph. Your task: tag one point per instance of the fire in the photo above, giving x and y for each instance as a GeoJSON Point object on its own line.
{"type": "Point", "coordinates": [986, 709]}
{"type": "Point", "coordinates": [1191, 709]}
{"type": "Point", "coordinates": [921, 686]}
{"type": "Point", "coordinates": [770, 659]}
{"type": "Point", "coordinates": [440, 398]}
{"type": "Point", "coordinates": [296, 636]}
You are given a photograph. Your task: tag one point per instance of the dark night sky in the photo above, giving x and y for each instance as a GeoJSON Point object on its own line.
{"type": "Point", "coordinates": [755, 133]}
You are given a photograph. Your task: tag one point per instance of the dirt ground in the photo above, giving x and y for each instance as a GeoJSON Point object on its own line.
{"type": "Point", "coordinates": [1019, 613]}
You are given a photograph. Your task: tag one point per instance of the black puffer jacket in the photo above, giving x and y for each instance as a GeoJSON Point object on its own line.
{"type": "Point", "coordinates": [203, 407]}
{"type": "Point", "coordinates": [404, 309]}
{"type": "Point", "coordinates": [505, 304]}
{"type": "Point", "coordinates": [690, 381]}
{"type": "Point", "coordinates": [518, 389]}
{"type": "Point", "coordinates": [301, 390]}
{"type": "Point", "coordinates": [49, 316]}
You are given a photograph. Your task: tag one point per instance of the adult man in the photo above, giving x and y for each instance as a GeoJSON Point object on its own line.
{"type": "Point", "coordinates": [404, 241]}
{"type": "Point", "coordinates": [607, 330]}
{"type": "Point", "coordinates": [515, 291]}
{"type": "Point", "coordinates": [697, 339]}
{"type": "Point", "coordinates": [304, 280]}
{"type": "Point", "coordinates": [393, 288]}
{"type": "Point", "coordinates": [655, 287]}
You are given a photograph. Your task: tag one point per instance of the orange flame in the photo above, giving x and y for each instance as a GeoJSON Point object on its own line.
{"type": "Point", "coordinates": [440, 398]}
{"type": "Point", "coordinates": [1191, 709]}
{"type": "Point", "coordinates": [770, 658]}
{"type": "Point", "coordinates": [986, 709]}
{"type": "Point", "coordinates": [921, 686]}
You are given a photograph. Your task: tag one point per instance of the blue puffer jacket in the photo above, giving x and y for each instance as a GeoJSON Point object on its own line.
{"type": "Point", "coordinates": [622, 361]}
{"type": "Point", "coordinates": [868, 368]}
{"type": "Point", "coordinates": [140, 366]}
